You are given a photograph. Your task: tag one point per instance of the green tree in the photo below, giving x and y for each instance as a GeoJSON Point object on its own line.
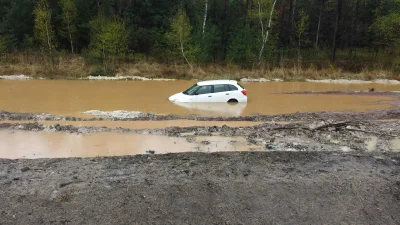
{"type": "Point", "coordinates": [387, 31]}
{"type": "Point", "coordinates": [301, 29]}
{"type": "Point", "coordinates": [69, 14]}
{"type": "Point", "coordinates": [109, 40]}
{"type": "Point", "coordinates": [43, 28]}
{"type": "Point", "coordinates": [180, 32]}
{"type": "Point", "coordinates": [243, 46]}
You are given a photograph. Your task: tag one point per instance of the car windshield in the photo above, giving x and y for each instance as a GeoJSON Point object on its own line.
{"type": "Point", "coordinates": [191, 90]}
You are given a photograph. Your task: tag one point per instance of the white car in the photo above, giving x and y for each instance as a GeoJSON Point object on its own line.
{"type": "Point", "coordinates": [212, 91]}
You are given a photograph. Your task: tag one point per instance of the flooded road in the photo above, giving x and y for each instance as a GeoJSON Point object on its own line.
{"type": "Point", "coordinates": [72, 98]}
{"type": "Point", "coordinates": [62, 145]}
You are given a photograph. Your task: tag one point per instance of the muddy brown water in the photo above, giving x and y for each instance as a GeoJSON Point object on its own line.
{"type": "Point", "coordinates": [62, 97]}
{"type": "Point", "coordinates": [61, 145]}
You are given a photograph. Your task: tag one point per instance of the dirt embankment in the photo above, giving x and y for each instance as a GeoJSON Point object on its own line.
{"type": "Point", "coordinates": [197, 188]}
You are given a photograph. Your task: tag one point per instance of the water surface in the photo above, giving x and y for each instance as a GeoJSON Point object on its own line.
{"type": "Point", "coordinates": [63, 97]}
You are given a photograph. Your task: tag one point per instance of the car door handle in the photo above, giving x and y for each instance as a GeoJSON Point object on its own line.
{"type": "Point", "coordinates": [227, 93]}
{"type": "Point", "coordinates": [209, 96]}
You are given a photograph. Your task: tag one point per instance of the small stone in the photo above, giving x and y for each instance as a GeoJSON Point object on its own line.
{"type": "Point", "coordinates": [54, 195]}
{"type": "Point", "coordinates": [150, 152]}
{"type": "Point", "coordinates": [205, 142]}
{"type": "Point", "coordinates": [345, 149]}
{"type": "Point", "coordinates": [270, 147]}
{"type": "Point", "coordinates": [25, 169]}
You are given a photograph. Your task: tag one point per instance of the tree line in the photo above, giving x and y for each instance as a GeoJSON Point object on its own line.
{"type": "Point", "coordinates": [353, 34]}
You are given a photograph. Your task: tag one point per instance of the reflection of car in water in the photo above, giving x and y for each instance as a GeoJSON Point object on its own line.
{"type": "Point", "coordinates": [212, 91]}
{"type": "Point", "coordinates": [220, 109]}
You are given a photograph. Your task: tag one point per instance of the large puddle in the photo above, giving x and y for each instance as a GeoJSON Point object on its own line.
{"type": "Point", "coordinates": [71, 98]}
{"type": "Point", "coordinates": [61, 145]}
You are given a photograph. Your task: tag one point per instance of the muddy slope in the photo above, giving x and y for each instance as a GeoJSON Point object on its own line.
{"type": "Point", "coordinates": [198, 188]}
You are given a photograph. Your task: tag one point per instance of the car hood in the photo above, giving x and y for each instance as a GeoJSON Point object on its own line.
{"type": "Point", "coordinates": [178, 97]}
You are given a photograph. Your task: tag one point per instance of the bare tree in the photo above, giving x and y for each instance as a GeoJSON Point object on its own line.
{"type": "Point", "coordinates": [69, 14]}
{"type": "Point", "coordinates": [264, 32]}
{"type": "Point", "coordinates": [321, 7]}
{"type": "Point", "coordinates": [205, 17]}
{"type": "Point", "coordinates": [338, 15]}
{"type": "Point", "coordinates": [353, 31]}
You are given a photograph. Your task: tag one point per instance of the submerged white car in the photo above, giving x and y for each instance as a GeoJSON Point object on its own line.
{"type": "Point", "coordinates": [212, 91]}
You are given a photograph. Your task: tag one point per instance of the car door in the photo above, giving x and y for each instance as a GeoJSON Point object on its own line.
{"type": "Point", "coordinates": [221, 93]}
{"type": "Point", "coordinates": [234, 92]}
{"type": "Point", "coordinates": [204, 94]}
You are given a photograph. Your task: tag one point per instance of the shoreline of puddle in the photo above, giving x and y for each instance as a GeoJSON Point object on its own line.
{"type": "Point", "coordinates": [155, 124]}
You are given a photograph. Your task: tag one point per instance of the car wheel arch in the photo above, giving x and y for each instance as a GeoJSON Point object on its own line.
{"type": "Point", "coordinates": [232, 100]}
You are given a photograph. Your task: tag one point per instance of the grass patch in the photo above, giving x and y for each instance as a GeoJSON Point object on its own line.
{"type": "Point", "coordinates": [69, 66]}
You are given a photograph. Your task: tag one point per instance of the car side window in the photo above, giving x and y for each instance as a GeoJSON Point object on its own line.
{"type": "Point", "coordinates": [232, 88]}
{"type": "Point", "coordinates": [204, 90]}
{"type": "Point", "coordinates": [220, 88]}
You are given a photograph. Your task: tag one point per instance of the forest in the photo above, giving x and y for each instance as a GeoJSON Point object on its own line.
{"type": "Point", "coordinates": [189, 38]}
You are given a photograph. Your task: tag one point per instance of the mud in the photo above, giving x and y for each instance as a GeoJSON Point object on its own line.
{"type": "Point", "coordinates": [342, 136]}
{"type": "Point", "coordinates": [395, 94]}
{"type": "Point", "coordinates": [345, 81]}
{"type": "Point", "coordinates": [301, 168]}
{"type": "Point", "coordinates": [378, 114]}
{"type": "Point", "coordinates": [145, 124]}
{"type": "Point", "coordinates": [198, 188]}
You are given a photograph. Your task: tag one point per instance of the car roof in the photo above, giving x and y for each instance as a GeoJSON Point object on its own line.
{"type": "Point", "coordinates": [212, 82]}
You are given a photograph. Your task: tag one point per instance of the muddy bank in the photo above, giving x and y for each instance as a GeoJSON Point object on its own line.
{"type": "Point", "coordinates": [378, 114]}
{"type": "Point", "coordinates": [197, 188]}
{"type": "Point", "coordinates": [346, 81]}
{"type": "Point", "coordinates": [373, 92]}
{"type": "Point", "coordinates": [15, 77]}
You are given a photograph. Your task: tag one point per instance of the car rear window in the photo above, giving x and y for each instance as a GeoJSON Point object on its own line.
{"type": "Point", "coordinates": [240, 86]}
{"type": "Point", "coordinates": [232, 88]}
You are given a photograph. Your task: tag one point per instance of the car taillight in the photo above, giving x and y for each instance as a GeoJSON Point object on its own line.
{"type": "Point", "coordinates": [244, 92]}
